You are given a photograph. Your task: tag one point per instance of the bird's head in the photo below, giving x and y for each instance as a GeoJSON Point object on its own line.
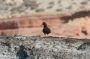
{"type": "Point", "coordinates": [44, 24]}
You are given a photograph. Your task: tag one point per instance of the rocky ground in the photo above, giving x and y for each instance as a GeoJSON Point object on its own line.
{"type": "Point", "coordinates": [45, 47]}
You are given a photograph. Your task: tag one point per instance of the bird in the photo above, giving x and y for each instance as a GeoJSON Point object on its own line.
{"type": "Point", "coordinates": [46, 30]}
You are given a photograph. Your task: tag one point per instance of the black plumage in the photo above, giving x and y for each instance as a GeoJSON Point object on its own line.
{"type": "Point", "coordinates": [46, 29]}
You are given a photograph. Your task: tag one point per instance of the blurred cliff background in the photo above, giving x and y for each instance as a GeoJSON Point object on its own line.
{"type": "Point", "coordinates": [69, 18]}
{"type": "Point", "coordinates": [21, 27]}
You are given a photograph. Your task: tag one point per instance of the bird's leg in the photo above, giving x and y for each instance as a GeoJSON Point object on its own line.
{"type": "Point", "coordinates": [45, 35]}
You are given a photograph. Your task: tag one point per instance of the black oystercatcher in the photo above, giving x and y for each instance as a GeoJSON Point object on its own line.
{"type": "Point", "coordinates": [46, 29]}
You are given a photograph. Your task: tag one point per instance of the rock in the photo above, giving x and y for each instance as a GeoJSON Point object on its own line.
{"type": "Point", "coordinates": [46, 47]}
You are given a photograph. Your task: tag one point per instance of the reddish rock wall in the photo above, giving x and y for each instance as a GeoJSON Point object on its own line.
{"type": "Point", "coordinates": [32, 26]}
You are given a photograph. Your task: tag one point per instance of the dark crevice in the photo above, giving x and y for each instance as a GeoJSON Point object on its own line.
{"type": "Point", "coordinates": [79, 14]}
{"type": "Point", "coordinates": [8, 25]}
{"type": "Point", "coordinates": [22, 54]}
{"type": "Point", "coordinates": [84, 46]}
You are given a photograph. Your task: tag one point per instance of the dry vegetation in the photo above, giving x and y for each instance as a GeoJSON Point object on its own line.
{"type": "Point", "coordinates": [21, 7]}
